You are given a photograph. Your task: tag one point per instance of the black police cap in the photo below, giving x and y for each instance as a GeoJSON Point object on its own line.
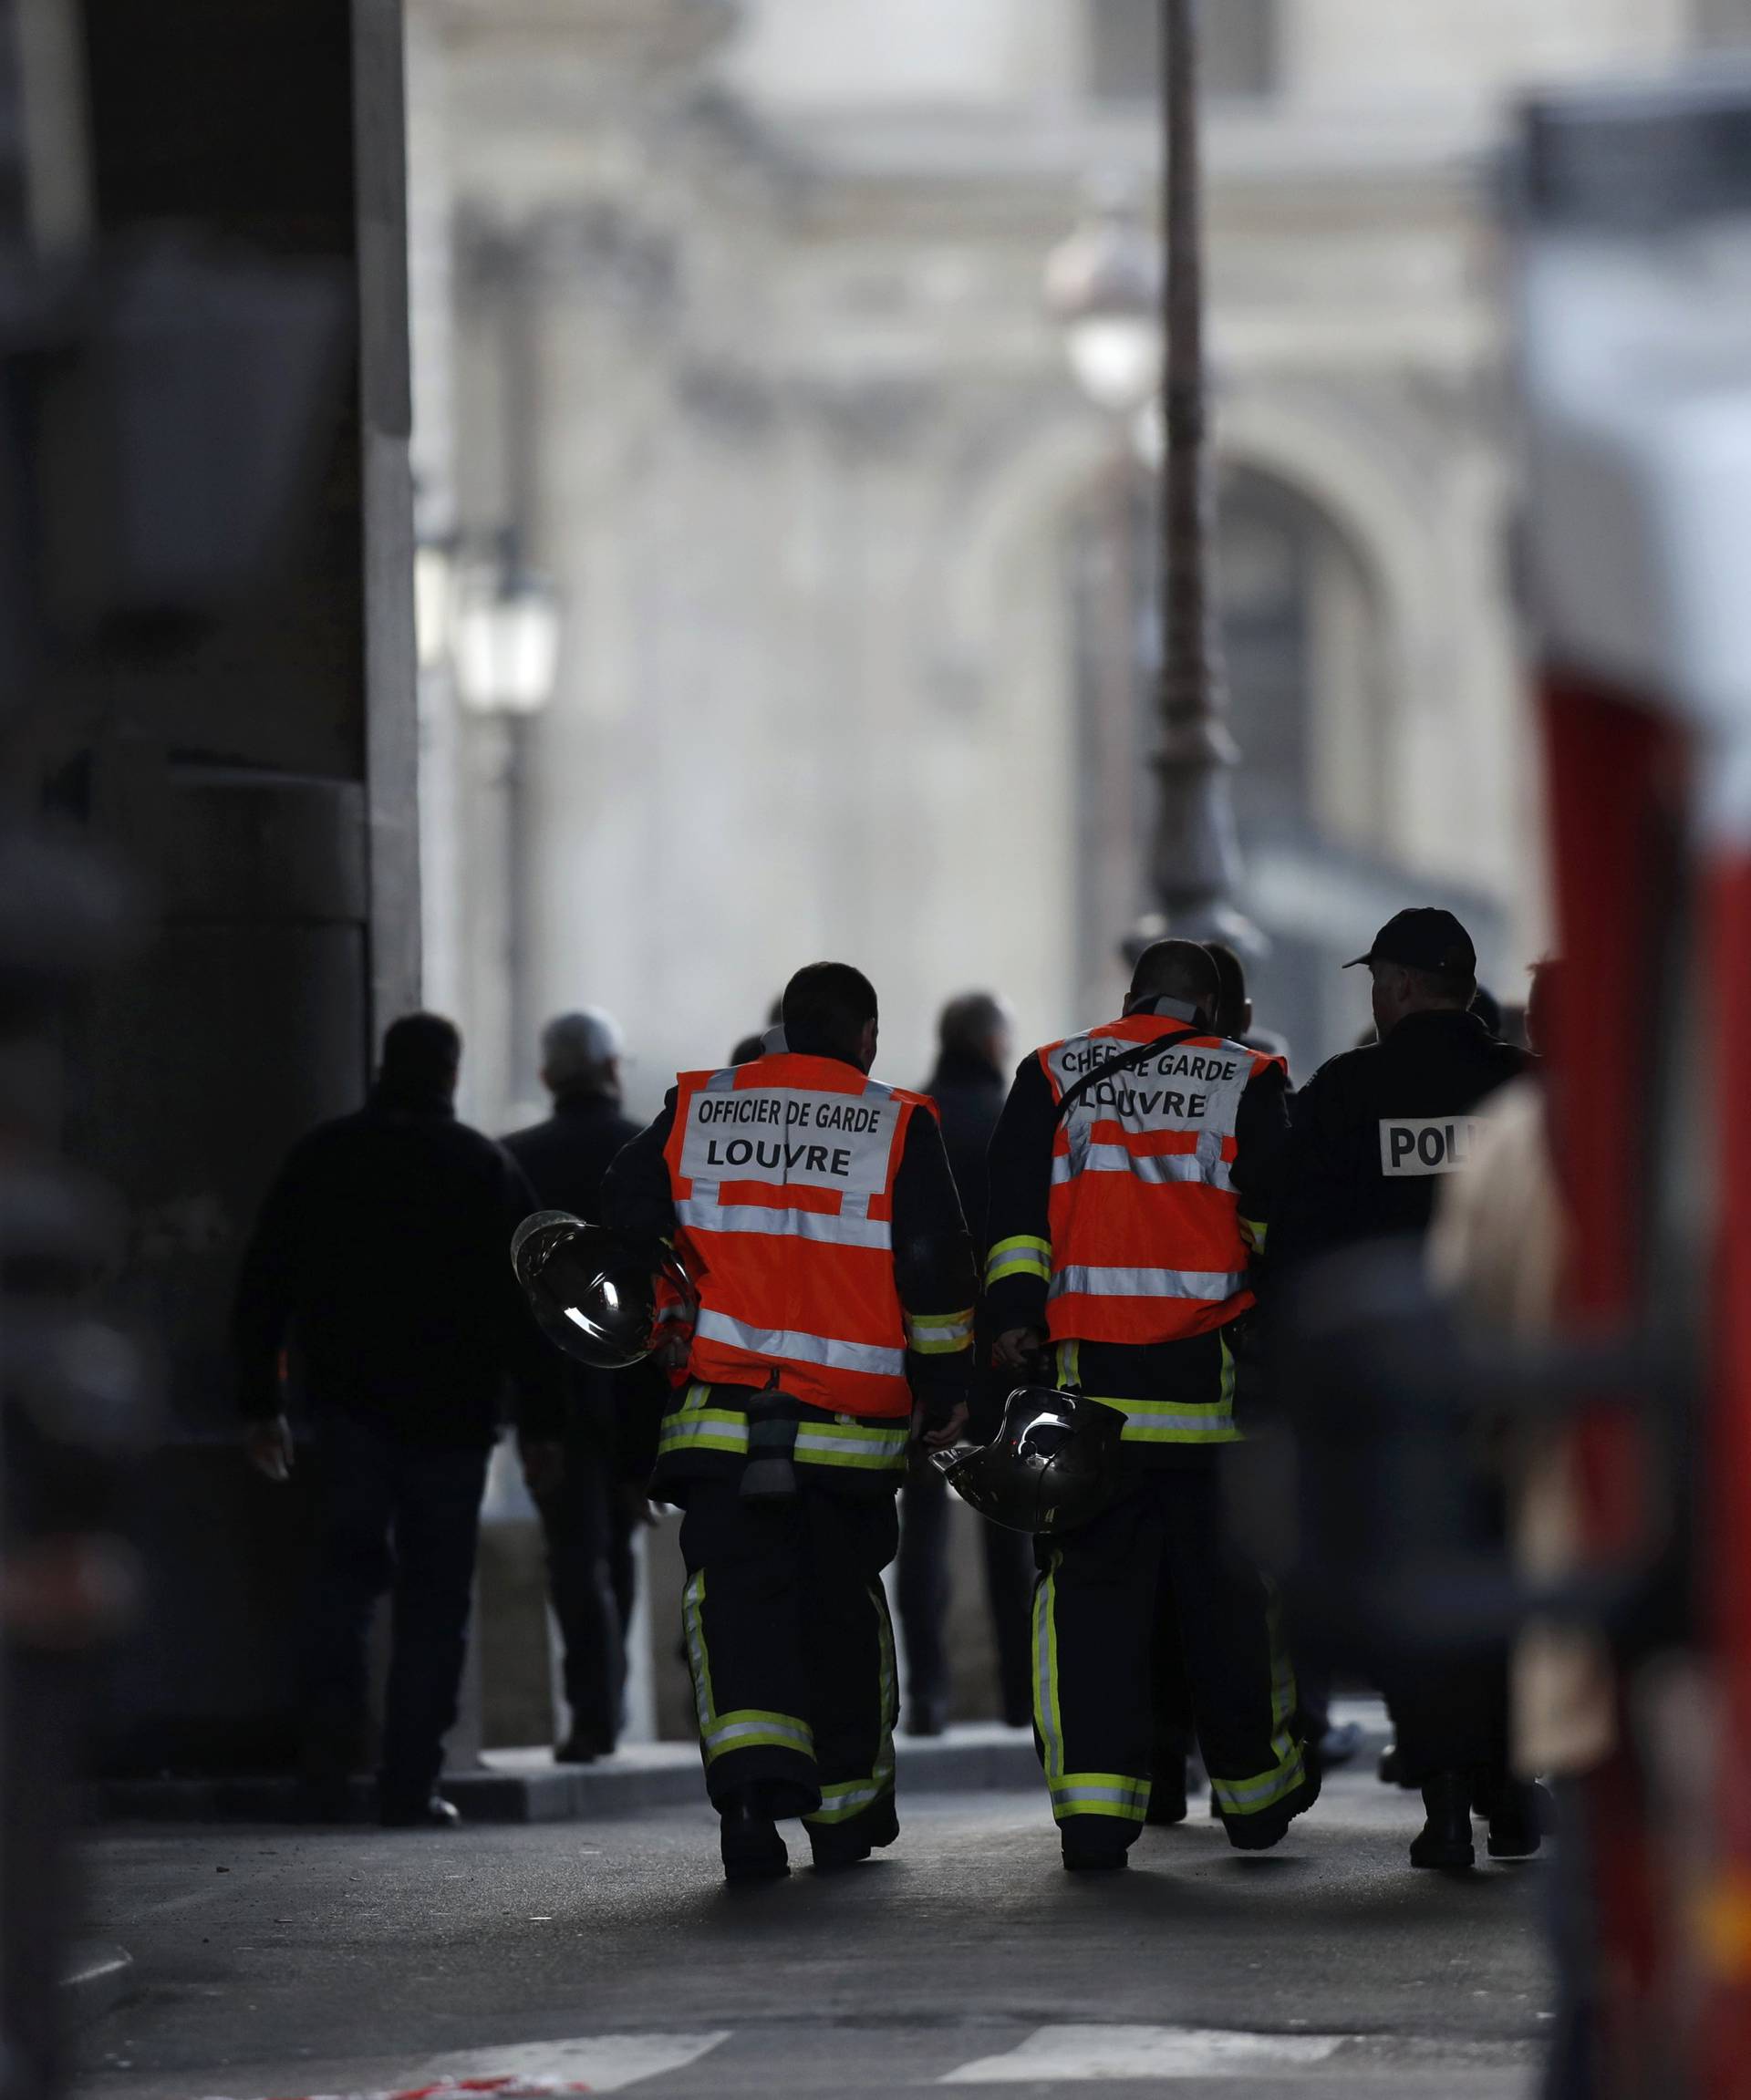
{"type": "Point", "coordinates": [1424, 939]}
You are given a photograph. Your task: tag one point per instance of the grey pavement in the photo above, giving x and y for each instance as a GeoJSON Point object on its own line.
{"type": "Point", "coordinates": [276, 1961]}
{"type": "Point", "coordinates": [527, 1786]}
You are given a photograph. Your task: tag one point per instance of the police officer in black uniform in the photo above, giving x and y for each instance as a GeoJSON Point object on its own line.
{"type": "Point", "coordinates": [1375, 1132]}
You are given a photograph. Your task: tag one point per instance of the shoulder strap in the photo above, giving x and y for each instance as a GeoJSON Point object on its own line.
{"type": "Point", "coordinates": [1139, 1053]}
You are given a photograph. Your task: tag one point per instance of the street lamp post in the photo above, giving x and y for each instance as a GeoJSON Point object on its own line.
{"type": "Point", "coordinates": [505, 650]}
{"type": "Point", "coordinates": [1195, 862]}
{"type": "Point", "coordinates": [1132, 324]}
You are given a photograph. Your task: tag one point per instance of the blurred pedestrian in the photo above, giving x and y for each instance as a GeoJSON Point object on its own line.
{"type": "Point", "coordinates": [1234, 1015]}
{"type": "Point", "coordinates": [380, 1262]}
{"type": "Point", "coordinates": [1488, 1009]}
{"type": "Point", "coordinates": [763, 1042]}
{"type": "Point", "coordinates": [590, 1512]}
{"type": "Point", "coordinates": [968, 1086]}
{"type": "Point", "coordinates": [814, 1209]}
{"type": "Point", "coordinates": [1130, 1171]}
{"type": "Point", "coordinates": [1375, 1133]}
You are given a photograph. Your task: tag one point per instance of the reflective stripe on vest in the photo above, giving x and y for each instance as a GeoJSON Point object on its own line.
{"type": "Point", "coordinates": [783, 1175]}
{"type": "Point", "coordinates": [1199, 1164]}
{"type": "Point", "coordinates": [771, 1344]}
{"type": "Point", "coordinates": [1205, 1284]}
{"type": "Point", "coordinates": [1145, 1239]}
{"type": "Point", "coordinates": [826, 1226]}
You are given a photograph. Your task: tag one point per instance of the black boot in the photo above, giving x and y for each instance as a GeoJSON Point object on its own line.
{"type": "Point", "coordinates": [752, 1847]}
{"type": "Point", "coordinates": [1267, 1827]}
{"type": "Point", "coordinates": [840, 1845]}
{"type": "Point", "coordinates": [416, 1812]}
{"type": "Point", "coordinates": [1516, 1823]}
{"type": "Point", "coordinates": [1445, 1840]}
{"type": "Point", "coordinates": [1083, 1856]}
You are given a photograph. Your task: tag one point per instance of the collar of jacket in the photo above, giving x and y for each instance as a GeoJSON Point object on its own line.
{"type": "Point", "coordinates": [579, 1101]}
{"type": "Point", "coordinates": [1165, 1010]}
{"type": "Point", "coordinates": [959, 1068]}
{"type": "Point", "coordinates": [412, 1102]}
{"type": "Point", "coordinates": [1458, 1020]}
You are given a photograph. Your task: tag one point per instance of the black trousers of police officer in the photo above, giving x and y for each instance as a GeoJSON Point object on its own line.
{"type": "Point", "coordinates": [791, 1651]}
{"type": "Point", "coordinates": [1450, 1707]}
{"type": "Point", "coordinates": [1093, 1641]}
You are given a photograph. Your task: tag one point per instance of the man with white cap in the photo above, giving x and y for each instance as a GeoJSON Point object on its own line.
{"type": "Point", "coordinates": [586, 1516]}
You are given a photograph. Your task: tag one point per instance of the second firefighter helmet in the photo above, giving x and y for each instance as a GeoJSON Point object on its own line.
{"type": "Point", "coordinates": [591, 1296]}
{"type": "Point", "coordinates": [1052, 1465]}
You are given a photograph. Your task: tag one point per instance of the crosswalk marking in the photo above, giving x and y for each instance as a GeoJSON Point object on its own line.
{"type": "Point", "coordinates": [534, 2071]}
{"type": "Point", "coordinates": [1052, 2054]}
{"type": "Point", "coordinates": [592, 2064]}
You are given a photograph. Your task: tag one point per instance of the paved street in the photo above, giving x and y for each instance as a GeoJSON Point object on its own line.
{"type": "Point", "coordinates": [274, 1962]}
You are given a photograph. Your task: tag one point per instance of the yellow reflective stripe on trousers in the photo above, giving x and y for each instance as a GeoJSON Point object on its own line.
{"type": "Point", "coordinates": [1266, 1789]}
{"type": "Point", "coordinates": [1047, 1717]}
{"type": "Point", "coordinates": [1073, 1793]}
{"type": "Point", "coordinates": [1099, 1793]}
{"type": "Point", "coordinates": [699, 1660]}
{"type": "Point", "coordinates": [1249, 1797]}
{"type": "Point", "coordinates": [748, 1728]}
{"type": "Point", "coordinates": [1172, 1421]}
{"type": "Point", "coordinates": [704, 1429]}
{"type": "Point", "coordinates": [860, 1445]}
{"type": "Point", "coordinates": [939, 1334]}
{"type": "Point", "coordinates": [844, 1798]}
{"type": "Point", "coordinates": [696, 1425]}
{"type": "Point", "coordinates": [1025, 1255]}
{"type": "Point", "coordinates": [1164, 1420]}
{"type": "Point", "coordinates": [870, 1448]}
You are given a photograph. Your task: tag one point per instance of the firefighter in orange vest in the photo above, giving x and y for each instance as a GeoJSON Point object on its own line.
{"type": "Point", "coordinates": [814, 1210]}
{"type": "Point", "coordinates": [1130, 1174]}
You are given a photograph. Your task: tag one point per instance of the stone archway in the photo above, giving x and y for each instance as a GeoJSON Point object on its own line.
{"type": "Point", "coordinates": [1344, 561]}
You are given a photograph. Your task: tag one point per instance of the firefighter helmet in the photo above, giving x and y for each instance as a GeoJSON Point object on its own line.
{"type": "Point", "coordinates": [591, 1296]}
{"type": "Point", "coordinates": [1052, 1465]}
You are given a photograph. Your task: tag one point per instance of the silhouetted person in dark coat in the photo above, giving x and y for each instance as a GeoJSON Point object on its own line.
{"type": "Point", "coordinates": [380, 1268]}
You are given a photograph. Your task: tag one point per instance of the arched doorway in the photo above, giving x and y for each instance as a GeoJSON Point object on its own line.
{"type": "Point", "coordinates": [1306, 655]}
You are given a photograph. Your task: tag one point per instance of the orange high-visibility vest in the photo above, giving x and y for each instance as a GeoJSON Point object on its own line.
{"type": "Point", "coordinates": [782, 1173]}
{"type": "Point", "coordinates": [1146, 1240]}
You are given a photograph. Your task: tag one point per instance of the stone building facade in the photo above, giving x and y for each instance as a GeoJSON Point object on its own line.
{"type": "Point", "coordinates": [732, 315]}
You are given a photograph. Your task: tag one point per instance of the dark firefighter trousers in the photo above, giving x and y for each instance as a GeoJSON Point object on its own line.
{"type": "Point", "coordinates": [1094, 1638]}
{"type": "Point", "coordinates": [791, 1651]}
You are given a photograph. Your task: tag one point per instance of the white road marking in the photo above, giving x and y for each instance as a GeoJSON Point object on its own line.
{"type": "Point", "coordinates": [1074, 2052]}
{"type": "Point", "coordinates": [593, 2064]}
{"type": "Point", "coordinates": [590, 2063]}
